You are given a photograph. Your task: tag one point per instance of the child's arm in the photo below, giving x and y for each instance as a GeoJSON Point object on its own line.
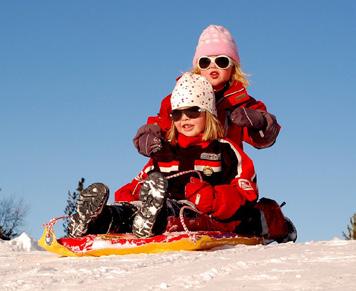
{"type": "Point", "coordinates": [260, 128]}
{"type": "Point", "coordinates": [163, 119]}
{"type": "Point", "coordinates": [222, 201]}
{"type": "Point", "coordinates": [148, 138]}
{"type": "Point", "coordinates": [131, 191]}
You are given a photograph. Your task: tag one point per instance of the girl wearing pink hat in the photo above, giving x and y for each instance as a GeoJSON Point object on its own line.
{"type": "Point", "coordinates": [244, 118]}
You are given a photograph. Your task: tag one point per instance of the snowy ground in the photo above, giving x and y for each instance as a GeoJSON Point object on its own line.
{"type": "Point", "coordinates": [326, 265]}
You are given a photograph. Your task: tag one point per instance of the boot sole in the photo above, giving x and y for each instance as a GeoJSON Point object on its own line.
{"type": "Point", "coordinates": [90, 204]}
{"type": "Point", "coordinates": [152, 196]}
{"type": "Point", "coordinates": [92, 200]}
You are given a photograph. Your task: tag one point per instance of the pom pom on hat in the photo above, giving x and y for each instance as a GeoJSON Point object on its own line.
{"type": "Point", "coordinates": [216, 40]}
{"type": "Point", "coordinates": [193, 90]}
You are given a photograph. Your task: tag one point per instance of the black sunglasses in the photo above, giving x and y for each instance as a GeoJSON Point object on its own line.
{"type": "Point", "coordinates": [222, 62]}
{"type": "Point", "coordinates": [191, 112]}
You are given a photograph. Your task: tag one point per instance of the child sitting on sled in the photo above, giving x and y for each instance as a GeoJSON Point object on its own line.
{"type": "Point", "coordinates": [195, 169]}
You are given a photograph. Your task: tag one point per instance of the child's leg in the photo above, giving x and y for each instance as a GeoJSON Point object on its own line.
{"type": "Point", "coordinates": [265, 218]}
{"type": "Point", "coordinates": [168, 219]}
{"type": "Point", "coordinates": [94, 216]}
{"type": "Point", "coordinates": [116, 218]}
{"type": "Point", "coordinates": [249, 219]}
{"type": "Point", "coordinates": [276, 227]}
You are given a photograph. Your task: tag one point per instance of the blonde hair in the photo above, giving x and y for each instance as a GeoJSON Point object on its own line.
{"type": "Point", "coordinates": [213, 129]}
{"type": "Point", "coordinates": [236, 75]}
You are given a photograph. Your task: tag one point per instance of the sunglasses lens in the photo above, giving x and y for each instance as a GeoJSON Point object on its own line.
{"type": "Point", "coordinates": [192, 112]}
{"type": "Point", "coordinates": [204, 63]}
{"type": "Point", "coordinates": [176, 115]}
{"type": "Point", "coordinates": [222, 62]}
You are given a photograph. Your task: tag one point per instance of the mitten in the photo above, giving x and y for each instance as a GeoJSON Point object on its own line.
{"type": "Point", "coordinates": [270, 133]}
{"type": "Point", "coordinates": [250, 118]}
{"type": "Point", "coordinates": [201, 194]}
{"type": "Point", "coordinates": [148, 139]}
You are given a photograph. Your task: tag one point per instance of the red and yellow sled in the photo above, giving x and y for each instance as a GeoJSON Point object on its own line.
{"type": "Point", "coordinates": [127, 243]}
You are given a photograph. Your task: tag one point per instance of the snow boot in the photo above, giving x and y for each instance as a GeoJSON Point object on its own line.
{"type": "Point", "coordinates": [275, 226]}
{"type": "Point", "coordinates": [153, 196]}
{"type": "Point", "coordinates": [291, 234]}
{"type": "Point", "coordinates": [90, 204]}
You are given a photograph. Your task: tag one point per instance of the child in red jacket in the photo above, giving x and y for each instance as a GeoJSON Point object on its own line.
{"type": "Point", "coordinates": [195, 144]}
{"type": "Point", "coordinates": [223, 198]}
{"type": "Point", "coordinates": [243, 118]}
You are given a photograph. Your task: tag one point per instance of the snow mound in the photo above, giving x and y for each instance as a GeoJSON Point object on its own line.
{"type": "Point", "coordinates": [23, 243]}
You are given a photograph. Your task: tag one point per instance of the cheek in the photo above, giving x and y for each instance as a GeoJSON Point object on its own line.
{"type": "Point", "coordinates": [205, 73]}
{"type": "Point", "coordinates": [200, 123]}
{"type": "Point", "coordinates": [178, 126]}
{"type": "Point", "coordinates": [226, 74]}
{"type": "Point", "coordinates": [207, 76]}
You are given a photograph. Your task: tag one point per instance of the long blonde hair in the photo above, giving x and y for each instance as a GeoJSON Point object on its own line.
{"type": "Point", "coordinates": [237, 74]}
{"type": "Point", "coordinates": [213, 129]}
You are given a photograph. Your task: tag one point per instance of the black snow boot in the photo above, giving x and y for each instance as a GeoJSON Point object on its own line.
{"type": "Point", "coordinates": [153, 197]}
{"type": "Point", "coordinates": [90, 204]}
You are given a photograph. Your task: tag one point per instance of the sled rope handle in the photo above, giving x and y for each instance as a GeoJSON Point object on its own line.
{"type": "Point", "coordinates": [51, 223]}
{"type": "Point", "coordinates": [191, 236]}
{"type": "Point", "coordinates": [170, 177]}
{"type": "Point", "coordinates": [185, 172]}
{"type": "Point", "coordinates": [181, 218]}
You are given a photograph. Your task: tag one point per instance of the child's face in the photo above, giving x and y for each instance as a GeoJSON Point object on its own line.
{"type": "Point", "coordinates": [216, 76]}
{"type": "Point", "coordinates": [190, 126]}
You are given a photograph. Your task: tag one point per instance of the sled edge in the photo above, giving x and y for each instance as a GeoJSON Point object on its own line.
{"type": "Point", "coordinates": [48, 242]}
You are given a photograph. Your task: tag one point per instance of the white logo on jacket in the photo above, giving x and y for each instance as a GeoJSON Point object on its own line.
{"type": "Point", "coordinates": [210, 156]}
{"type": "Point", "coordinates": [245, 184]}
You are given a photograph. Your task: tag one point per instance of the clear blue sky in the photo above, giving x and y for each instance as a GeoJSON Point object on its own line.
{"type": "Point", "coordinates": [77, 78]}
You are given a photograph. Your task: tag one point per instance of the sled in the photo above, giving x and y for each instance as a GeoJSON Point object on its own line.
{"type": "Point", "coordinates": [128, 243]}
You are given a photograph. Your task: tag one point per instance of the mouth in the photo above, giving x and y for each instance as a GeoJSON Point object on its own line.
{"type": "Point", "coordinates": [187, 127]}
{"type": "Point", "coordinates": [214, 74]}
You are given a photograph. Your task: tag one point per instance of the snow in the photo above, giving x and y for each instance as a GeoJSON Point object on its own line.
{"type": "Point", "coordinates": [322, 265]}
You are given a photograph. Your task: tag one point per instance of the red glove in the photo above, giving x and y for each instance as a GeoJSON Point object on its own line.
{"type": "Point", "coordinates": [201, 194]}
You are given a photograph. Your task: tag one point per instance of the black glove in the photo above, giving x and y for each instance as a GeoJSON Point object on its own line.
{"type": "Point", "coordinates": [250, 118]}
{"type": "Point", "coordinates": [148, 139]}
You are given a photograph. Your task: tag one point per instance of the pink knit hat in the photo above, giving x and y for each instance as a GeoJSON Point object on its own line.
{"type": "Point", "coordinates": [216, 40]}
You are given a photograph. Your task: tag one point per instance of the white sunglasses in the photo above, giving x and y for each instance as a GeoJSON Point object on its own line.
{"type": "Point", "coordinates": [221, 61]}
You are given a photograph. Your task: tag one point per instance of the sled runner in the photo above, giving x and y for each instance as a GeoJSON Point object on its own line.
{"type": "Point", "coordinates": [127, 243]}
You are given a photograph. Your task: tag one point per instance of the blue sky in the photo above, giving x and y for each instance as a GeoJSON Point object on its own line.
{"type": "Point", "coordinates": [77, 78]}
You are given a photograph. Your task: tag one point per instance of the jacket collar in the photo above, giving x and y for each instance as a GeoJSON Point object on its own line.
{"type": "Point", "coordinates": [234, 95]}
{"type": "Point", "coordinates": [187, 141]}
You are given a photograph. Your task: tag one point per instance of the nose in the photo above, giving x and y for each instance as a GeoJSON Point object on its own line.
{"type": "Point", "coordinates": [184, 117]}
{"type": "Point", "coordinates": [212, 65]}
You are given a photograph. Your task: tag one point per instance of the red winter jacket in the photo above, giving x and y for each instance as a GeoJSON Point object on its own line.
{"type": "Point", "coordinates": [227, 168]}
{"type": "Point", "coordinates": [233, 97]}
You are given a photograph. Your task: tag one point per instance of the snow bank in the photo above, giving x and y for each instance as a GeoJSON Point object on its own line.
{"type": "Point", "coordinates": [22, 243]}
{"type": "Point", "coordinates": [323, 265]}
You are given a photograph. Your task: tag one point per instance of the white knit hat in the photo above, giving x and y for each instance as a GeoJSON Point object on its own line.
{"type": "Point", "coordinates": [193, 90]}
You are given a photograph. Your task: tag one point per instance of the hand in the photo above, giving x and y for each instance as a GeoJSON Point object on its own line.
{"type": "Point", "coordinates": [250, 118]}
{"type": "Point", "coordinates": [201, 194]}
{"type": "Point", "coordinates": [148, 139]}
